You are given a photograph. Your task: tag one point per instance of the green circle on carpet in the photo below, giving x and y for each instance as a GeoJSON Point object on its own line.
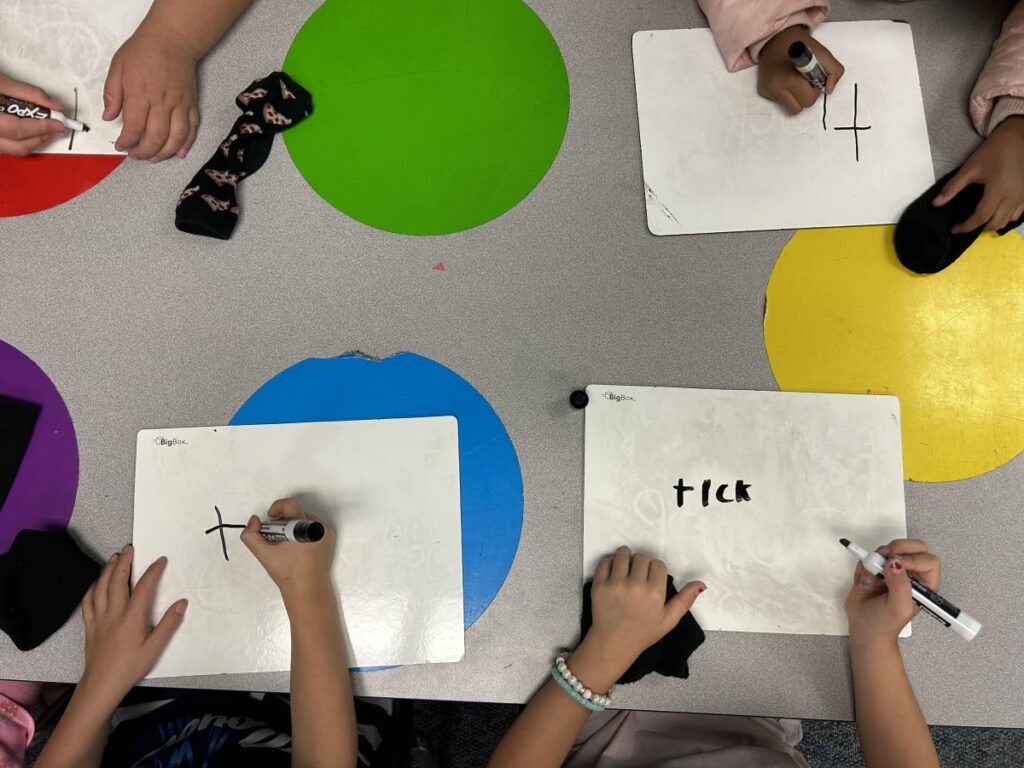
{"type": "Point", "coordinates": [429, 116]}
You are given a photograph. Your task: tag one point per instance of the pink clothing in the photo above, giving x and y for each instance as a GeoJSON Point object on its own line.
{"type": "Point", "coordinates": [16, 724]}
{"type": "Point", "coordinates": [741, 29]}
{"type": "Point", "coordinates": [669, 740]}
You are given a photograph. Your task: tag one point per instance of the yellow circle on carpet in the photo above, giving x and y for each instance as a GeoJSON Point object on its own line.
{"type": "Point", "coordinates": [843, 315]}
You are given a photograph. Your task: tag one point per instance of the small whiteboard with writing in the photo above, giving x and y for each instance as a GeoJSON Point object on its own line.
{"type": "Point", "coordinates": [65, 48]}
{"type": "Point", "coordinates": [389, 487]}
{"type": "Point", "coordinates": [717, 157]}
{"type": "Point", "coordinates": [748, 491]}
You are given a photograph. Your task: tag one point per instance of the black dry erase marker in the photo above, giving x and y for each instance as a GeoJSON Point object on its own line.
{"type": "Point", "coordinates": [301, 531]}
{"type": "Point", "coordinates": [21, 108]}
{"type": "Point", "coordinates": [807, 65]}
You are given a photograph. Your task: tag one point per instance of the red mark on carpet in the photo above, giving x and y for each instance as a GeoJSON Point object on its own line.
{"type": "Point", "coordinates": [439, 267]}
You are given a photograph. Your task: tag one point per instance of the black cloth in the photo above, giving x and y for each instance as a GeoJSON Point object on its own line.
{"type": "Point", "coordinates": [43, 577]}
{"type": "Point", "coordinates": [924, 242]}
{"type": "Point", "coordinates": [669, 655]}
{"type": "Point", "coordinates": [223, 728]}
{"type": "Point", "coordinates": [209, 204]}
{"type": "Point", "coordinates": [17, 422]}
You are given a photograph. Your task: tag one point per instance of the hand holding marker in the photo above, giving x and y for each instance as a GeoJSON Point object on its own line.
{"type": "Point", "coordinates": [807, 65]}
{"type": "Point", "coordinates": [26, 109]}
{"type": "Point", "coordinates": [930, 602]}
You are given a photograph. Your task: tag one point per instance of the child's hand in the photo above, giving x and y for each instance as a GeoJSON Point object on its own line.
{"type": "Point", "coordinates": [120, 646]}
{"type": "Point", "coordinates": [21, 135]}
{"type": "Point", "coordinates": [297, 569]}
{"type": "Point", "coordinates": [152, 85]}
{"type": "Point", "coordinates": [630, 612]}
{"type": "Point", "coordinates": [777, 78]}
{"type": "Point", "coordinates": [878, 610]}
{"type": "Point", "coordinates": [998, 164]}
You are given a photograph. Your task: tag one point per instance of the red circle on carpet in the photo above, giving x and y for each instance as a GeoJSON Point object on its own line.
{"type": "Point", "coordinates": [37, 182]}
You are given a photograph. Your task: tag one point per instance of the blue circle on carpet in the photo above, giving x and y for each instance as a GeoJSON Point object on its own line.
{"type": "Point", "coordinates": [353, 387]}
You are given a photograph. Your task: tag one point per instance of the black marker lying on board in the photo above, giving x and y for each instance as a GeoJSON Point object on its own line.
{"type": "Point", "coordinates": [301, 531]}
{"type": "Point", "coordinates": [21, 108]}
{"type": "Point", "coordinates": [931, 603]}
{"type": "Point", "coordinates": [807, 65]}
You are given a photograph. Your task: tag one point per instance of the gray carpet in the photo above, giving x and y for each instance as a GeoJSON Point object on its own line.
{"type": "Point", "coordinates": [463, 735]}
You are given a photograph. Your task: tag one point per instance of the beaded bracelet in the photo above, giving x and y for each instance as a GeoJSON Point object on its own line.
{"type": "Point", "coordinates": [569, 683]}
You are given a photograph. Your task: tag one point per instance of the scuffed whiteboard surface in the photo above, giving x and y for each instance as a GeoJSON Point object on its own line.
{"type": "Point", "coordinates": [816, 468]}
{"type": "Point", "coordinates": [61, 45]}
{"type": "Point", "coordinates": [389, 487]}
{"type": "Point", "coordinates": [719, 158]}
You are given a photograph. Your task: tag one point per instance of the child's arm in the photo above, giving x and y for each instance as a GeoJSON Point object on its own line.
{"type": "Point", "coordinates": [120, 649]}
{"type": "Point", "coordinates": [630, 615]}
{"type": "Point", "coordinates": [997, 109]}
{"type": "Point", "coordinates": [323, 713]}
{"type": "Point", "coordinates": [152, 77]}
{"type": "Point", "coordinates": [19, 136]}
{"type": "Point", "coordinates": [892, 728]}
{"type": "Point", "coordinates": [760, 33]}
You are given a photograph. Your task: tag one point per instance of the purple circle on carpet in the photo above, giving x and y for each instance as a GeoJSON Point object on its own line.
{"type": "Point", "coordinates": [42, 495]}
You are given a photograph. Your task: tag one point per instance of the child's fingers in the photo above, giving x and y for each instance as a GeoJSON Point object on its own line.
{"type": "Point", "coordinates": [286, 509]}
{"type": "Point", "coordinates": [193, 124]}
{"type": "Point", "coordinates": [22, 148]}
{"type": "Point", "coordinates": [604, 569]}
{"type": "Point", "coordinates": [981, 214]}
{"type": "Point", "coordinates": [88, 610]}
{"type": "Point", "coordinates": [142, 595]}
{"type": "Point", "coordinates": [681, 603]}
{"type": "Point", "coordinates": [158, 126]}
{"type": "Point", "coordinates": [23, 128]}
{"type": "Point", "coordinates": [176, 136]}
{"type": "Point", "coordinates": [133, 121]}
{"type": "Point", "coordinates": [620, 563]}
{"type": "Point", "coordinates": [788, 101]}
{"type": "Point", "coordinates": [117, 595]}
{"type": "Point", "coordinates": [658, 572]}
{"type": "Point", "coordinates": [639, 567]}
{"type": "Point", "coordinates": [955, 186]}
{"type": "Point", "coordinates": [99, 598]}
{"type": "Point", "coordinates": [898, 583]}
{"type": "Point", "coordinates": [832, 66]}
{"type": "Point", "coordinates": [865, 583]}
{"type": "Point", "coordinates": [32, 93]}
{"type": "Point", "coordinates": [904, 547]}
{"type": "Point", "coordinates": [113, 91]}
{"type": "Point", "coordinates": [926, 567]}
{"type": "Point", "coordinates": [164, 630]}
{"type": "Point", "coordinates": [254, 541]}
{"type": "Point", "coordinates": [1002, 216]}
{"type": "Point", "coordinates": [805, 93]}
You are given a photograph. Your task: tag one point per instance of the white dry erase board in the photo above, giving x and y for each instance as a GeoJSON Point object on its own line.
{"type": "Point", "coordinates": [389, 487]}
{"type": "Point", "coordinates": [787, 475]}
{"type": "Point", "coordinates": [64, 47]}
{"type": "Point", "coordinates": [719, 158]}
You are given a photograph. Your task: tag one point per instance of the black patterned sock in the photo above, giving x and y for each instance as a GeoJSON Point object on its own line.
{"type": "Point", "coordinates": [209, 204]}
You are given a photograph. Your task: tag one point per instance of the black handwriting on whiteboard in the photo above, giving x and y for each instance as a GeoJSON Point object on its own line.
{"type": "Point", "coordinates": [741, 492]}
{"type": "Point", "coordinates": [221, 525]}
{"type": "Point", "coordinates": [856, 129]}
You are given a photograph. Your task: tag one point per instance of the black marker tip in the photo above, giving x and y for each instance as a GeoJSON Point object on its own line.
{"type": "Point", "coordinates": [845, 542]}
{"type": "Point", "coordinates": [85, 129]}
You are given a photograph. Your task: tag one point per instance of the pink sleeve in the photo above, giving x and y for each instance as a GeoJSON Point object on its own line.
{"type": "Point", "coordinates": [1003, 73]}
{"type": "Point", "coordinates": [742, 27]}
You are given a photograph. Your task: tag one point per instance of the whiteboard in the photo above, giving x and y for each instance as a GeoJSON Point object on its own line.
{"type": "Point", "coordinates": [389, 487]}
{"type": "Point", "coordinates": [816, 468]}
{"type": "Point", "coordinates": [64, 45]}
{"type": "Point", "coordinates": [719, 158]}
